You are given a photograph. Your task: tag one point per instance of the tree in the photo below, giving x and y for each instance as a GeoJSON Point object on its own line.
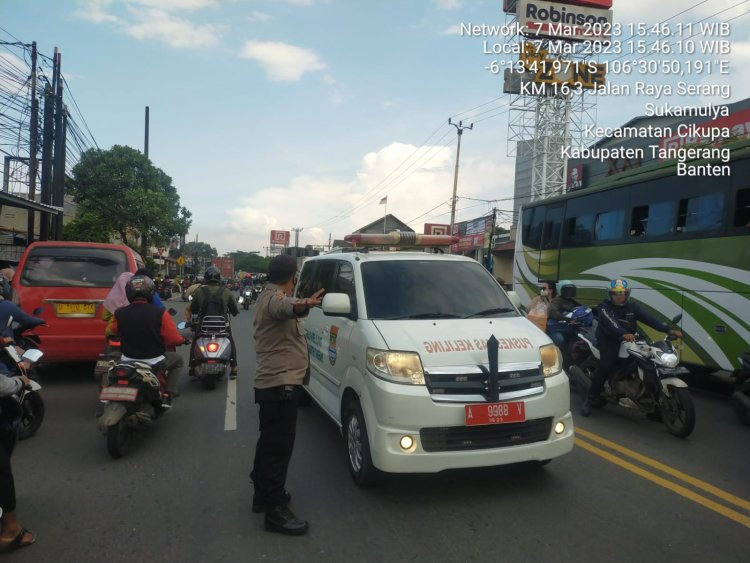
{"type": "Point", "coordinates": [249, 261]}
{"type": "Point", "coordinates": [118, 191]}
{"type": "Point", "coordinates": [200, 253]}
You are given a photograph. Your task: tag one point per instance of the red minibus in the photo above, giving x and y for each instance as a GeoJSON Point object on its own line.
{"type": "Point", "coordinates": [69, 281]}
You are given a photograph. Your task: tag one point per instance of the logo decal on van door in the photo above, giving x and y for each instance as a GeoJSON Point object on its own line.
{"type": "Point", "coordinates": [332, 352]}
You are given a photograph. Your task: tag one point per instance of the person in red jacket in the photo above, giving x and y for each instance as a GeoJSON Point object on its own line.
{"type": "Point", "coordinates": [146, 331]}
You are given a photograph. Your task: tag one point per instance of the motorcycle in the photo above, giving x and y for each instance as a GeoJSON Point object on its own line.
{"type": "Point", "coordinates": [15, 355]}
{"type": "Point", "coordinates": [246, 299]}
{"type": "Point", "coordinates": [30, 403]}
{"type": "Point", "coordinates": [646, 378]}
{"type": "Point", "coordinates": [134, 397]}
{"type": "Point", "coordinates": [212, 350]}
{"type": "Point", "coordinates": [741, 394]}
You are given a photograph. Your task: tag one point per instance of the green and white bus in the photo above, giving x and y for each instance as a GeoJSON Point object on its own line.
{"type": "Point", "coordinates": [683, 243]}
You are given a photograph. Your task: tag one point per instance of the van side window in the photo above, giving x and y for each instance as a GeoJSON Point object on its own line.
{"type": "Point", "coordinates": [345, 283]}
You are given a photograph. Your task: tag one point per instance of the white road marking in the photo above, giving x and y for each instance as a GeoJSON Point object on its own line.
{"type": "Point", "coordinates": [230, 414]}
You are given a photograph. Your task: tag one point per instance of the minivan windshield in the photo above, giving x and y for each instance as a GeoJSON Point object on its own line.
{"type": "Point", "coordinates": [432, 289]}
{"type": "Point", "coordinates": [73, 267]}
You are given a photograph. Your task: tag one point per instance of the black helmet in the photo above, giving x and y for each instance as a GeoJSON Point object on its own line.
{"type": "Point", "coordinates": [140, 286]}
{"type": "Point", "coordinates": [567, 289]}
{"type": "Point", "coordinates": [212, 274]}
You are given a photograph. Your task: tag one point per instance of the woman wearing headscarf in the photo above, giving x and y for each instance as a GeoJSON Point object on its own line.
{"type": "Point", "coordinates": [116, 297]}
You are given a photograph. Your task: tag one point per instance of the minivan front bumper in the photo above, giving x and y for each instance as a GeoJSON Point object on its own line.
{"type": "Point", "coordinates": [439, 439]}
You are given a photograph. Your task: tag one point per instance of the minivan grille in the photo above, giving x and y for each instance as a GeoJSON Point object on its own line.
{"type": "Point", "coordinates": [476, 380]}
{"type": "Point", "coordinates": [458, 438]}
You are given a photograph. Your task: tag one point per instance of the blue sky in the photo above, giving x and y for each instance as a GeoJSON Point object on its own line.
{"type": "Point", "coordinates": [274, 114]}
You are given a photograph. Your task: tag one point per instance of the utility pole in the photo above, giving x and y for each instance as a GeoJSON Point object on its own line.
{"type": "Point", "coordinates": [46, 179]}
{"type": "Point", "coordinates": [296, 240]}
{"type": "Point", "coordinates": [460, 130]}
{"type": "Point", "coordinates": [145, 140]}
{"type": "Point", "coordinates": [33, 147]}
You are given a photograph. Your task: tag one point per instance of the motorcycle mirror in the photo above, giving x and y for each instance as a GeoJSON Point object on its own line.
{"type": "Point", "coordinates": [182, 325]}
{"type": "Point", "coordinates": [677, 319]}
{"type": "Point", "coordinates": [32, 355]}
{"type": "Point", "coordinates": [37, 311]}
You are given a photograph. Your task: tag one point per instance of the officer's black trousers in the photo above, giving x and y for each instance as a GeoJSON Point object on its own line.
{"type": "Point", "coordinates": [7, 486]}
{"type": "Point", "coordinates": [278, 427]}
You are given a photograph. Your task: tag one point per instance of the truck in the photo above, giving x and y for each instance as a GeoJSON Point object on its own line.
{"type": "Point", "coordinates": [225, 265]}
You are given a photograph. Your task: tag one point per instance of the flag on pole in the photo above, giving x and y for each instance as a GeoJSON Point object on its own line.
{"type": "Point", "coordinates": [384, 200]}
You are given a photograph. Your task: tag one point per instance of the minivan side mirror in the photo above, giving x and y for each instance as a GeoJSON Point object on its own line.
{"type": "Point", "coordinates": [514, 298]}
{"type": "Point", "coordinates": [336, 304]}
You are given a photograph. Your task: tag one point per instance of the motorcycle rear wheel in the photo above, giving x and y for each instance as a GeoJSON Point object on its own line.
{"type": "Point", "coordinates": [678, 412]}
{"type": "Point", "coordinates": [209, 381]}
{"type": "Point", "coordinates": [32, 417]}
{"type": "Point", "coordinates": [119, 437]}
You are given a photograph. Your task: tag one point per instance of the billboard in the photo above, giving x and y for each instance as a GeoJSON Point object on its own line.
{"type": "Point", "coordinates": [540, 18]}
{"type": "Point", "coordinates": [281, 237]}
{"type": "Point", "coordinates": [436, 229]}
{"type": "Point", "coordinates": [472, 234]}
{"type": "Point", "coordinates": [509, 6]}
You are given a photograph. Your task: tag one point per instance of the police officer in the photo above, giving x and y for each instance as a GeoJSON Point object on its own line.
{"type": "Point", "coordinates": [281, 370]}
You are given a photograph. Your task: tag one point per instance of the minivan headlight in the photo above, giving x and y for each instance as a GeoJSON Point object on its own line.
{"type": "Point", "coordinates": [399, 367]}
{"type": "Point", "coordinates": [551, 360]}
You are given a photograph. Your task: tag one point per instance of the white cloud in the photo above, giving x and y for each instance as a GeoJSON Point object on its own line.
{"type": "Point", "coordinates": [188, 5]}
{"type": "Point", "coordinates": [282, 61]}
{"type": "Point", "coordinates": [174, 31]}
{"type": "Point", "coordinates": [337, 207]}
{"type": "Point", "coordinates": [94, 11]}
{"type": "Point", "coordinates": [452, 30]}
{"type": "Point", "coordinates": [448, 4]}
{"type": "Point", "coordinates": [259, 17]}
{"type": "Point", "coordinates": [19, 67]}
{"type": "Point", "coordinates": [634, 10]}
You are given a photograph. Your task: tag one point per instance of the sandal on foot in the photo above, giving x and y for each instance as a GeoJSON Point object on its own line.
{"type": "Point", "coordinates": [18, 542]}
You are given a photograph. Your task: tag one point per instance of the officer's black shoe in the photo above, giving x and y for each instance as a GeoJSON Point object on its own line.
{"type": "Point", "coordinates": [260, 506]}
{"type": "Point", "coordinates": [586, 407]}
{"type": "Point", "coordinates": [282, 520]}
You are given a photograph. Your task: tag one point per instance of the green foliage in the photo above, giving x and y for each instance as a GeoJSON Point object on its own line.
{"type": "Point", "coordinates": [249, 261]}
{"type": "Point", "coordinates": [119, 191]}
{"type": "Point", "coordinates": [200, 253]}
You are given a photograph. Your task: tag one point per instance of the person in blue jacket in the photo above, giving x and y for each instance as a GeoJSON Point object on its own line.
{"type": "Point", "coordinates": [618, 320]}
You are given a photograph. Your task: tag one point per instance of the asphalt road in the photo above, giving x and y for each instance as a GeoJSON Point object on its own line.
{"type": "Point", "coordinates": [628, 492]}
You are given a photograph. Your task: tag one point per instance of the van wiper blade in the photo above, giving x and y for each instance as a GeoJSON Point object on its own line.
{"type": "Point", "coordinates": [424, 316]}
{"type": "Point", "coordinates": [488, 312]}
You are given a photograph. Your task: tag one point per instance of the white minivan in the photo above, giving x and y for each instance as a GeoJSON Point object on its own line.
{"type": "Point", "coordinates": [399, 360]}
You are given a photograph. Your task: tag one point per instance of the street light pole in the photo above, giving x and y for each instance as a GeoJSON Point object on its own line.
{"type": "Point", "coordinates": [459, 129]}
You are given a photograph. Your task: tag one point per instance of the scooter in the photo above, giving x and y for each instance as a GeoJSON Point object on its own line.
{"type": "Point", "coordinates": [16, 356]}
{"type": "Point", "coordinates": [646, 378]}
{"type": "Point", "coordinates": [741, 395]}
{"type": "Point", "coordinates": [212, 350]}
{"type": "Point", "coordinates": [29, 400]}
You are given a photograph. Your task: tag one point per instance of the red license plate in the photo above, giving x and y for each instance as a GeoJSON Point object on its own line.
{"type": "Point", "coordinates": [494, 413]}
{"type": "Point", "coordinates": [127, 394]}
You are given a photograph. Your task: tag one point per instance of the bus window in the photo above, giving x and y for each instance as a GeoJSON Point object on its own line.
{"type": "Point", "coordinates": [533, 221]}
{"type": "Point", "coordinates": [579, 231]}
{"type": "Point", "coordinates": [638, 221]}
{"type": "Point", "coordinates": [742, 208]}
{"type": "Point", "coordinates": [702, 213]}
{"type": "Point", "coordinates": [552, 225]}
{"type": "Point", "coordinates": [609, 225]}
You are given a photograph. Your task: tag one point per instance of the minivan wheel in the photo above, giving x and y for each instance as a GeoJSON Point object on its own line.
{"type": "Point", "coordinates": [357, 447]}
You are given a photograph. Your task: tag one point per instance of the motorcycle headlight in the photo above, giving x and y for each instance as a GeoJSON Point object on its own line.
{"type": "Point", "coordinates": [399, 367]}
{"type": "Point", "coordinates": [668, 359]}
{"type": "Point", "coordinates": [551, 360]}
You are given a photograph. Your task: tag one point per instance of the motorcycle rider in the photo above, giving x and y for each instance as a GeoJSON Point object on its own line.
{"type": "Point", "coordinates": [557, 327]}
{"type": "Point", "coordinates": [618, 320]}
{"type": "Point", "coordinates": [147, 330]}
{"type": "Point", "coordinates": [202, 299]}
